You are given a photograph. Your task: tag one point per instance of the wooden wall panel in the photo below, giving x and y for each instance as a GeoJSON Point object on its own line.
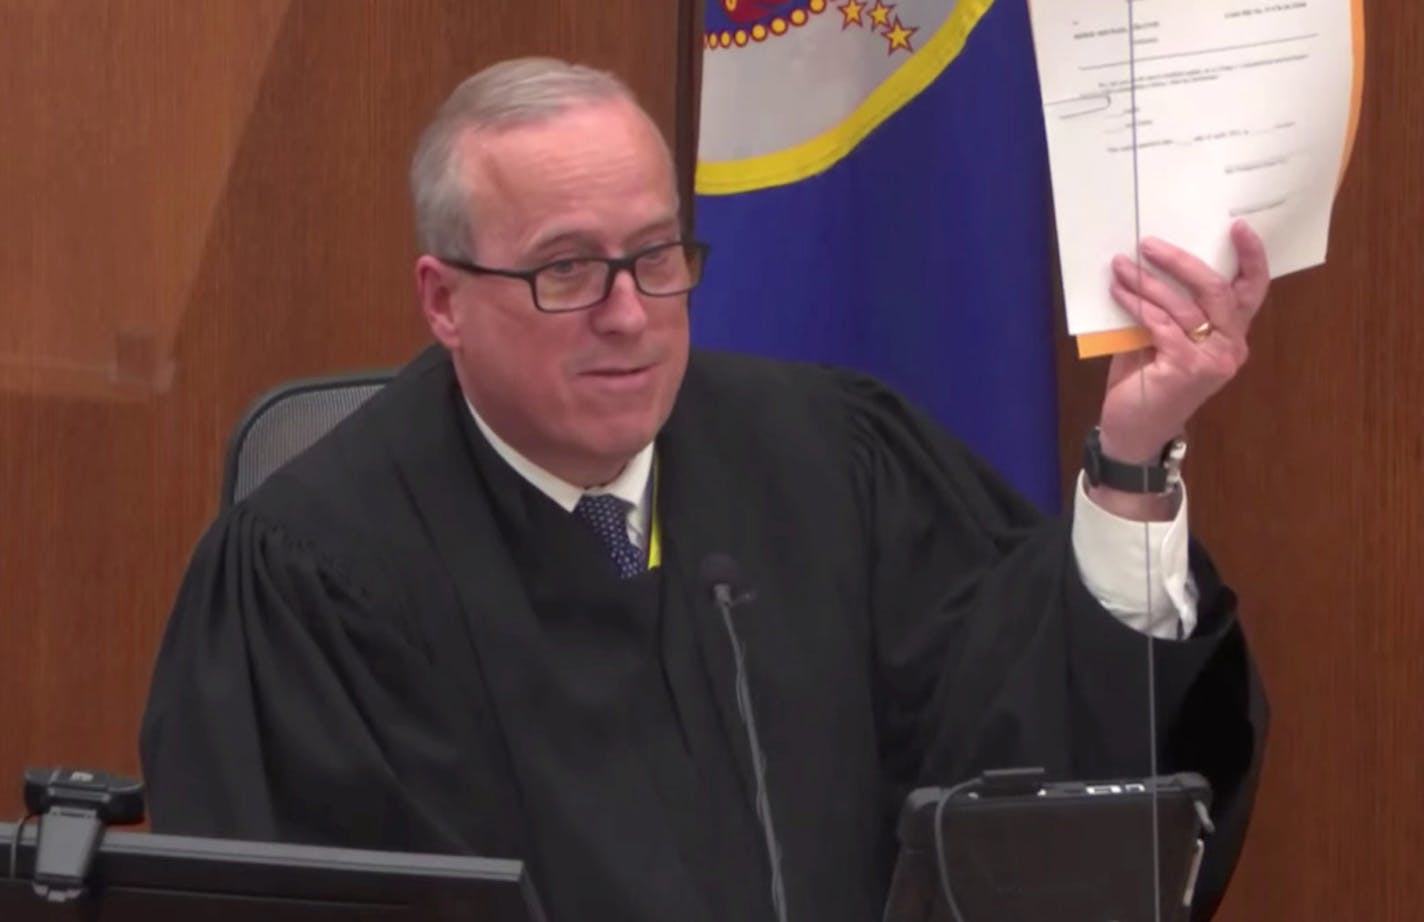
{"type": "Point", "coordinates": [1307, 480]}
{"type": "Point", "coordinates": [197, 200]}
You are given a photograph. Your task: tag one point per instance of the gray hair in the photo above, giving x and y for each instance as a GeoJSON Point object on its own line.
{"type": "Point", "coordinates": [515, 92]}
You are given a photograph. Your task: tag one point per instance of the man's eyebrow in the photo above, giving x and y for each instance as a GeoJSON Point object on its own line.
{"type": "Point", "coordinates": [560, 236]}
{"type": "Point", "coordinates": [669, 223]}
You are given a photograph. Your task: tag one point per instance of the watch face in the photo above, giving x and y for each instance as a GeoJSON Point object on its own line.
{"type": "Point", "coordinates": [1091, 455]}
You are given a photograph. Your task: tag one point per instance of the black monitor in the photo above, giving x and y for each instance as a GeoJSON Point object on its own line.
{"type": "Point", "coordinates": [142, 877]}
{"type": "Point", "coordinates": [1013, 847]}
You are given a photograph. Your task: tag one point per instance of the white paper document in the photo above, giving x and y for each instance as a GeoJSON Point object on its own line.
{"type": "Point", "coordinates": [1241, 111]}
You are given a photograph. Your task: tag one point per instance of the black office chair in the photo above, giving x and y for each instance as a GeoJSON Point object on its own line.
{"type": "Point", "coordinates": [285, 421]}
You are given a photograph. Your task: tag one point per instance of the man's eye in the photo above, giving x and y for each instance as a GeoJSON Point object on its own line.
{"type": "Point", "coordinates": [566, 267]}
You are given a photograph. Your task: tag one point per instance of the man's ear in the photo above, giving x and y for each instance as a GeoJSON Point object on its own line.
{"type": "Point", "coordinates": [432, 286]}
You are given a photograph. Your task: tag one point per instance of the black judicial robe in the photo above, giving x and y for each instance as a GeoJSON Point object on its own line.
{"type": "Point", "coordinates": [398, 643]}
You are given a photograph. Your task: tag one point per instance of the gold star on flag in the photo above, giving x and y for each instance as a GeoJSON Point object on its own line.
{"type": "Point", "coordinates": [899, 36]}
{"type": "Point", "coordinates": [880, 13]}
{"type": "Point", "coordinates": [851, 10]}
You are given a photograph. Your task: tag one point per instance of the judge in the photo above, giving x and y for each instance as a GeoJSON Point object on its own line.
{"type": "Point", "coordinates": [472, 618]}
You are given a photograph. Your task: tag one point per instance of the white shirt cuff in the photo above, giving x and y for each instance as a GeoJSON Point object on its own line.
{"type": "Point", "coordinates": [1115, 560]}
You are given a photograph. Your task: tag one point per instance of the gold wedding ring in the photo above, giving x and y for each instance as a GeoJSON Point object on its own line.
{"type": "Point", "coordinates": [1200, 332]}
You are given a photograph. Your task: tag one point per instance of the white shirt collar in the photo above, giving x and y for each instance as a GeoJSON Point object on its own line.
{"type": "Point", "coordinates": [630, 486]}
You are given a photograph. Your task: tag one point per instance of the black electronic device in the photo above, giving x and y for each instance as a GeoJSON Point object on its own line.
{"type": "Point", "coordinates": [63, 863]}
{"type": "Point", "coordinates": [1014, 847]}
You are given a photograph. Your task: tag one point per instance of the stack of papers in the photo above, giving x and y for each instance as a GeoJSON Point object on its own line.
{"type": "Point", "coordinates": [1216, 110]}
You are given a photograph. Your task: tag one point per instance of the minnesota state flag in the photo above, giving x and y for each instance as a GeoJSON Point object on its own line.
{"type": "Point", "coordinates": [873, 180]}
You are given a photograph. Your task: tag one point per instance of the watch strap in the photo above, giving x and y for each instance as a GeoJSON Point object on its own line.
{"type": "Point", "coordinates": [1158, 478]}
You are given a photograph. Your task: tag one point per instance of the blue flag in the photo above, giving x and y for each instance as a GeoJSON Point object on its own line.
{"type": "Point", "coordinates": [873, 180]}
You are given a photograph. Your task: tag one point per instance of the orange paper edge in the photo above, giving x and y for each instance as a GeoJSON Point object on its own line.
{"type": "Point", "coordinates": [1111, 342]}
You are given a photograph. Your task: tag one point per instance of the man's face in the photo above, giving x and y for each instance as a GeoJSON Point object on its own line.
{"type": "Point", "coordinates": [577, 393]}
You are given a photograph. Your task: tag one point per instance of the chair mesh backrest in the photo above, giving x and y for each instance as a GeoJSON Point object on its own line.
{"type": "Point", "coordinates": [286, 422]}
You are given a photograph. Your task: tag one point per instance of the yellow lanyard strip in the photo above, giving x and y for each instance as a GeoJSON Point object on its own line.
{"type": "Point", "coordinates": [655, 532]}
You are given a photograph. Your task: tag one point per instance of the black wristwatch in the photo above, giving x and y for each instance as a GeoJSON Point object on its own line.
{"type": "Point", "coordinates": [1161, 477]}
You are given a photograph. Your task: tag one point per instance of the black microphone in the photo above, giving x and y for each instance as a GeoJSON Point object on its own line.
{"type": "Point", "coordinates": [723, 580]}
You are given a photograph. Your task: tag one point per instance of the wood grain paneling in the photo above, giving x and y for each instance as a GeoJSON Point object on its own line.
{"type": "Point", "coordinates": [1307, 479]}
{"type": "Point", "coordinates": [201, 199]}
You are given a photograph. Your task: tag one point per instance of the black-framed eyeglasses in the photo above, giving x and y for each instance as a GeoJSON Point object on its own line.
{"type": "Point", "coordinates": [581, 282]}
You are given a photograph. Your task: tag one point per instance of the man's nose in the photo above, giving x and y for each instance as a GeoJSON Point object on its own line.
{"type": "Point", "coordinates": [623, 311]}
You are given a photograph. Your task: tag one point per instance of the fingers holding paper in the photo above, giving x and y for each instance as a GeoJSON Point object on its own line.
{"type": "Point", "coordinates": [1190, 292]}
{"type": "Point", "coordinates": [1198, 321]}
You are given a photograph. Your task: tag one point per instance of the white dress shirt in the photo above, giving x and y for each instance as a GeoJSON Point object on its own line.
{"type": "Point", "coordinates": [632, 485]}
{"type": "Point", "coordinates": [1115, 556]}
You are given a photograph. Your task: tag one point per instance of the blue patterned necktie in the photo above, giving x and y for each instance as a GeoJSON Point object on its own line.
{"type": "Point", "coordinates": [607, 515]}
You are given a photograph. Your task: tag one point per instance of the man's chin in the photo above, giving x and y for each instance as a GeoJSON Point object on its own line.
{"type": "Point", "coordinates": [622, 438]}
